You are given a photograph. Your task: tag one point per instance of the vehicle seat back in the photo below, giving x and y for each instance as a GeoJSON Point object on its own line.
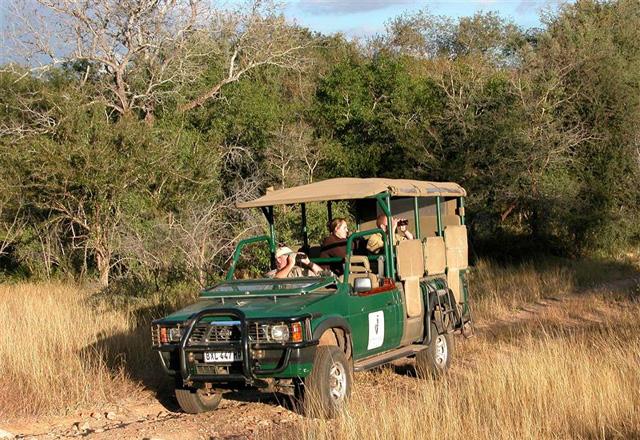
{"type": "Point", "coordinates": [359, 268]}
{"type": "Point", "coordinates": [455, 239]}
{"type": "Point", "coordinates": [435, 260]}
{"type": "Point", "coordinates": [410, 259]}
{"type": "Point", "coordinates": [410, 270]}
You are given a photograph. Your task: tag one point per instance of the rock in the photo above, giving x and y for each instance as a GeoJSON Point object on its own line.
{"type": "Point", "coordinates": [110, 415]}
{"type": "Point", "coordinates": [98, 430]}
{"type": "Point", "coordinates": [80, 426]}
{"type": "Point", "coordinates": [6, 434]}
{"type": "Point", "coordinates": [96, 415]}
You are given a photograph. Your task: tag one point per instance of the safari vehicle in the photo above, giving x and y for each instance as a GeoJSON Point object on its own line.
{"type": "Point", "coordinates": [309, 334]}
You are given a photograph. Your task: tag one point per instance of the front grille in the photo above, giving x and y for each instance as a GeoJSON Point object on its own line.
{"type": "Point", "coordinates": [258, 333]}
{"type": "Point", "coordinates": [215, 332]}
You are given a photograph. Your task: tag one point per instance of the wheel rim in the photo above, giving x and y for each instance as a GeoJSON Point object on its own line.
{"type": "Point", "coordinates": [441, 351]}
{"type": "Point", "coordinates": [337, 382]}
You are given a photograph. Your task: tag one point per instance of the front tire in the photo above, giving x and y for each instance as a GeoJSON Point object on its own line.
{"type": "Point", "coordinates": [435, 360]}
{"type": "Point", "coordinates": [327, 388]}
{"type": "Point", "coordinates": [195, 401]}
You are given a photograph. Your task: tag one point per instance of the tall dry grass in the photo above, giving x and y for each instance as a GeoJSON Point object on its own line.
{"type": "Point", "coordinates": [538, 380]}
{"type": "Point", "coordinates": [60, 350]}
{"type": "Point", "coordinates": [568, 372]}
{"type": "Point", "coordinates": [567, 369]}
{"type": "Point", "coordinates": [497, 290]}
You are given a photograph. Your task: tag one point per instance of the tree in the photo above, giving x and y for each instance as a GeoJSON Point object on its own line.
{"type": "Point", "coordinates": [137, 54]}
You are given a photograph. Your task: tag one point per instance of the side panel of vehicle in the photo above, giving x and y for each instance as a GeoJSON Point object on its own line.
{"type": "Point", "coordinates": [376, 322]}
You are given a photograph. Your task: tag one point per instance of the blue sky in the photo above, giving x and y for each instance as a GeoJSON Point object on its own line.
{"type": "Point", "coordinates": [357, 18]}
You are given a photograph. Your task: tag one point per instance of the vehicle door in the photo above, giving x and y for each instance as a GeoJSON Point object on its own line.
{"type": "Point", "coordinates": [376, 319]}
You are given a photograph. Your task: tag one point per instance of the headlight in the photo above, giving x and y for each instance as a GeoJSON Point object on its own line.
{"type": "Point", "coordinates": [280, 333]}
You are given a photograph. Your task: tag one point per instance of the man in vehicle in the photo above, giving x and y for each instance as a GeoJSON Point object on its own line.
{"type": "Point", "coordinates": [375, 244]}
{"type": "Point", "coordinates": [335, 245]}
{"type": "Point", "coordinates": [290, 264]}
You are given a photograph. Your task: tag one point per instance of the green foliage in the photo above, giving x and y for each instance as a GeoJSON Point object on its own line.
{"type": "Point", "coordinates": [540, 127]}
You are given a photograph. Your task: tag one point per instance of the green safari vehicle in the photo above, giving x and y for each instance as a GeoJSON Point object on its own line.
{"type": "Point", "coordinates": [307, 335]}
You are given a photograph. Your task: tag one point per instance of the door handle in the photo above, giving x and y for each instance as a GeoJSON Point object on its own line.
{"type": "Point", "coordinates": [390, 303]}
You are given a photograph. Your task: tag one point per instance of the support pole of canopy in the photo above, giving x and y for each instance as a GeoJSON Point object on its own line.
{"type": "Point", "coordinates": [329, 212]}
{"type": "Point", "coordinates": [461, 209]}
{"type": "Point", "coordinates": [384, 201]}
{"type": "Point", "coordinates": [268, 213]}
{"type": "Point", "coordinates": [416, 217]}
{"type": "Point", "coordinates": [439, 215]}
{"type": "Point", "coordinates": [305, 235]}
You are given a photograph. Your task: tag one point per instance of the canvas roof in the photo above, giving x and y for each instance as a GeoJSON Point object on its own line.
{"type": "Point", "coordinates": [346, 188]}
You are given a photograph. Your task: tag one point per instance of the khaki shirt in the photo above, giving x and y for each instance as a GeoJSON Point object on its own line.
{"type": "Point", "coordinates": [375, 242]}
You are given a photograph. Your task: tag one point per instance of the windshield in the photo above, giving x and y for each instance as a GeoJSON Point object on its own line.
{"type": "Point", "coordinates": [270, 284]}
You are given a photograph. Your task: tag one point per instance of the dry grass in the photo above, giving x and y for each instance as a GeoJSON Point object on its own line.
{"type": "Point", "coordinates": [496, 290]}
{"type": "Point", "coordinates": [563, 368]}
{"type": "Point", "coordinates": [59, 350]}
{"type": "Point", "coordinates": [567, 369]}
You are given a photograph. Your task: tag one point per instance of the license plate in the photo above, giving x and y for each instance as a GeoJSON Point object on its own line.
{"type": "Point", "coordinates": [219, 356]}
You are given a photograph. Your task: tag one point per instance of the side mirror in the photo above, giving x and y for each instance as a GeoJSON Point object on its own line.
{"type": "Point", "coordinates": [362, 285]}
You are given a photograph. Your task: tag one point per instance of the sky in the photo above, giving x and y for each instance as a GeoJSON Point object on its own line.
{"type": "Point", "coordinates": [362, 18]}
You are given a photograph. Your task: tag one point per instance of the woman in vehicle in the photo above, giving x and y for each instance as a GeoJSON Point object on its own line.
{"type": "Point", "coordinates": [335, 245]}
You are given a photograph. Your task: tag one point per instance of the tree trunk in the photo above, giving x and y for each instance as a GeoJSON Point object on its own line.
{"type": "Point", "coordinates": [103, 261]}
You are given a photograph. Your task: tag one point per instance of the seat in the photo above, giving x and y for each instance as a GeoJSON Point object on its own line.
{"type": "Point", "coordinates": [410, 269]}
{"type": "Point", "coordinates": [435, 261]}
{"type": "Point", "coordinates": [359, 267]}
{"type": "Point", "coordinates": [455, 239]}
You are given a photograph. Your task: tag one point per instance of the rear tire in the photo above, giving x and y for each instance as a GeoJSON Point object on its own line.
{"type": "Point", "coordinates": [436, 359]}
{"type": "Point", "coordinates": [326, 389]}
{"type": "Point", "coordinates": [195, 401]}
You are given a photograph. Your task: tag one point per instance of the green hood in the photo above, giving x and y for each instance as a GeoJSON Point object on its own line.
{"type": "Point", "coordinates": [262, 298]}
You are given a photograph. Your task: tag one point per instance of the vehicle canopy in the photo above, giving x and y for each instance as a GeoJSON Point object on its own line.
{"type": "Point", "coordinates": [349, 188]}
{"type": "Point", "coordinates": [430, 205]}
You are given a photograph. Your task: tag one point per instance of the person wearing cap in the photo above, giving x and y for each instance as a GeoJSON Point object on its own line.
{"type": "Point", "coordinates": [286, 265]}
{"type": "Point", "coordinates": [403, 232]}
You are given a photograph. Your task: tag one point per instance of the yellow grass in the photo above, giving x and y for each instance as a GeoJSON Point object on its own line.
{"type": "Point", "coordinates": [544, 364]}
{"type": "Point", "coordinates": [566, 368]}
{"type": "Point", "coordinates": [57, 352]}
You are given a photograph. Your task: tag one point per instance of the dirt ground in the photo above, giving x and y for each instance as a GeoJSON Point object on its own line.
{"type": "Point", "coordinates": [251, 415]}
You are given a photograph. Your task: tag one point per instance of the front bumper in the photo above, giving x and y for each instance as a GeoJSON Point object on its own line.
{"type": "Point", "coordinates": [255, 360]}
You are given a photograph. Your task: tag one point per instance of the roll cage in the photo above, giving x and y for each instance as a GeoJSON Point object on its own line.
{"type": "Point", "coordinates": [383, 201]}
